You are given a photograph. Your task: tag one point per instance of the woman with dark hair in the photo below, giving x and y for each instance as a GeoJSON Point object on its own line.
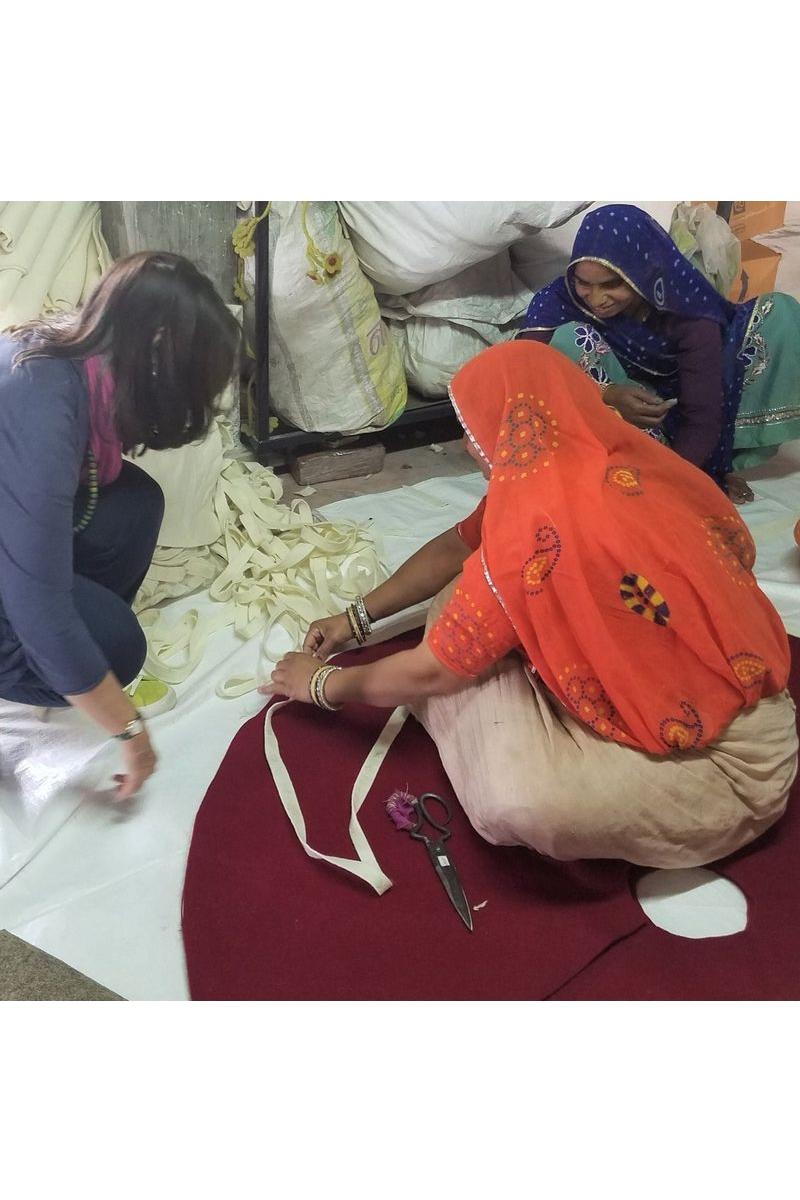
{"type": "Point", "coordinates": [139, 367]}
{"type": "Point", "coordinates": [601, 674]}
{"type": "Point", "coordinates": [718, 382]}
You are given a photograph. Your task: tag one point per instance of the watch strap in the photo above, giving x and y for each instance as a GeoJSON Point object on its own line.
{"type": "Point", "coordinates": [131, 730]}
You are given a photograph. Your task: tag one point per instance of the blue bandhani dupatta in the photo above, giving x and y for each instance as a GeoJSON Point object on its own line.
{"type": "Point", "coordinates": [629, 242]}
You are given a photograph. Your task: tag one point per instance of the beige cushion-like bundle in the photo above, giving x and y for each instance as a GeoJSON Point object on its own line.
{"type": "Point", "coordinates": [51, 255]}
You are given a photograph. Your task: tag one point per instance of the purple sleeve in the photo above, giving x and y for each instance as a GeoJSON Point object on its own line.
{"type": "Point", "coordinates": [698, 346]}
{"type": "Point", "coordinates": [535, 335]}
{"type": "Point", "coordinates": [43, 433]}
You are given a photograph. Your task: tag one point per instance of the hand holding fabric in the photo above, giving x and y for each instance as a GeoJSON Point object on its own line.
{"type": "Point", "coordinates": [327, 636]}
{"type": "Point", "coordinates": [292, 677]}
{"type": "Point", "coordinates": [637, 405]}
{"type": "Point", "coordinates": [140, 763]}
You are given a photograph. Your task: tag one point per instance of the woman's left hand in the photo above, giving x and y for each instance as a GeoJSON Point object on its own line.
{"type": "Point", "coordinates": [637, 405]}
{"type": "Point", "coordinates": [738, 489]}
{"type": "Point", "coordinates": [292, 676]}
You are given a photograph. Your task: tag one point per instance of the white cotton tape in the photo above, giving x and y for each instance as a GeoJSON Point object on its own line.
{"type": "Point", "coordinates": [273, 564]}
{"type": "Point", "coordinates": [366, 865]}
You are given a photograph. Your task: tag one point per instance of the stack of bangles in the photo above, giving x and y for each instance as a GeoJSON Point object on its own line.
{"type": "Point", "coordinates": [361, 627]}
{"type": "Point", "coordinates": [360, 620]}
{"type": "Point", "coordinates": [316, 687]}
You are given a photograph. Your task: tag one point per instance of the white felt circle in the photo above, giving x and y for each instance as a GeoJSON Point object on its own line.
{"type": "Point", "coordinates": [693, 903]}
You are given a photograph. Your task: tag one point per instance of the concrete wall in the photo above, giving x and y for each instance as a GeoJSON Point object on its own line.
{"type": "Point", "coordinates": [199, 229]}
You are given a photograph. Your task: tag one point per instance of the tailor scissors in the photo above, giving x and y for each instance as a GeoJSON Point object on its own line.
{"type": "Point", "coordinates": [438, 855]}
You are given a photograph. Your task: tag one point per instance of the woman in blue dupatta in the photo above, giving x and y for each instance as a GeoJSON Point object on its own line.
{"type": "Point", "coordinates": [719, 382]}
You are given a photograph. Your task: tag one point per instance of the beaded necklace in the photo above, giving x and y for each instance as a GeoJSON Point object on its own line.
{"type": "Point", "coordinates": [91, 503]}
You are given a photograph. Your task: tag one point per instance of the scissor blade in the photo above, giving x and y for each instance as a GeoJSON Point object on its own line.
{"type": "Point", "coordinates": [443, 866]}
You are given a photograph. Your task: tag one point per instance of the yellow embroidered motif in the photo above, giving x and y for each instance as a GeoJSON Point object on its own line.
{"type": "Point", "coordinates": [625, 479]}
{"type": "Point", "coordinates": [749, 669]}
{"type": "Point", "coordinates": [643, 599]}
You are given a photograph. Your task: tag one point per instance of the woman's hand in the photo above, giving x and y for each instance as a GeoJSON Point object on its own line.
{"type": "Point", "coordinates": [139, 760]}
{"type": "Point", "coordinates": [292, 676]}
{"type": "Point", "coordinates": [327, 636]}
{"type": "Point", "coordinates": [638, 406]}
{"type": "Point", "coordinates": [739, 491]}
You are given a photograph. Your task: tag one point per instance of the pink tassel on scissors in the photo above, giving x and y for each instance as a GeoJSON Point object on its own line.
{"type": "Point", "coordinates": [400, 807]}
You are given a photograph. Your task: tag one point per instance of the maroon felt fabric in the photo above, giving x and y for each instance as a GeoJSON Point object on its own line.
{"type": "Point", "coordinates": [760, 963]}
{"type": "Point", "coordinates": [263, 921]}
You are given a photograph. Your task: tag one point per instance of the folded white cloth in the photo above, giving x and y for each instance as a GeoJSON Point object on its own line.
{"type": "Point", "coordinates": [51, 255]}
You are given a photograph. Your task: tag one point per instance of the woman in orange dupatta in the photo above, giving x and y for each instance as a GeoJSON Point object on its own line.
{"type": "Point", "coordinates": [603, 678]}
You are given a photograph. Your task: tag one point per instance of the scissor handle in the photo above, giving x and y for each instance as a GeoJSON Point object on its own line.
{"type": "Point", "coordinates": [423, 814]}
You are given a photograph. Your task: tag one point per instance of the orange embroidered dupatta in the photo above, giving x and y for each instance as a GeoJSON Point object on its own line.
{"type": "Point", "coordinates": [624, 572]}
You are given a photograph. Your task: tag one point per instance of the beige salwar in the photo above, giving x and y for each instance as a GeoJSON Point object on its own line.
{"type": "Point", "coordinates": [528, 773]}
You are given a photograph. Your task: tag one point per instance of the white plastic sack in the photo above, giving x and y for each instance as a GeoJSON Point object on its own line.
{"type": "Point", "coordinates": [188, 477]}
{"type": "Point", "coordinates": [433, 351]}
{"type": "Point", "coordinates": [542, 258]}
{"type": "Point", "coordinates": [709, 243]}
{"type": "Point", "coordinates": [407, 245]}
{"type": "Point", "coordinates": [333, 366]}
{"type": "Point", "coordinates": [441, 327]}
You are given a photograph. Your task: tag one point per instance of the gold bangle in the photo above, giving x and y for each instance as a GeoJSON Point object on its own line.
{"type": "Point", "coordinates": [316, 687]}
{"type": "Point", "coordinates": [357, 628]}
{"type": "Point", "coordinates": [351, 622]}
{"type": "Point", "coordinates": [363, 616]}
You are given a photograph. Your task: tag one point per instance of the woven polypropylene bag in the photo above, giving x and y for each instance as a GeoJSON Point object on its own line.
{"type": "Point", "coordinates": [333, 366]}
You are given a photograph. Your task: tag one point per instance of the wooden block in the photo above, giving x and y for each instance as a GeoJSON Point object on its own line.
{"type": "Point", "coordinates": [324, 465]}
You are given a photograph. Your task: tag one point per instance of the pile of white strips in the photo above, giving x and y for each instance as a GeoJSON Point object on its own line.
{"type": "Point", "coordinates": [273, 564]}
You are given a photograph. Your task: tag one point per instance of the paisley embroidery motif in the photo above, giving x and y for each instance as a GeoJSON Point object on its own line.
{"type": "Point", "coordinates": [543, 561]}
{"type": "Point", "coordinates": [625, 479]}
{"type": "Point", "coordinates": [642, 598]}
{"type": "Point", "coordinates": [749, 669]}
{"type": "Point", "coordinates": [755, 352]}
{"type": "Point", "coordinates": [682, 733]}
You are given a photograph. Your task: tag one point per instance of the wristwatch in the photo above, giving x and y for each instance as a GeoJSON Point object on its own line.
{"type": "Point", "coordinates": [131, 730]}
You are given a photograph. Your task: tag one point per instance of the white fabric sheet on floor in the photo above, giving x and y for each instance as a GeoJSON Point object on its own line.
{"type": "Point", "coordinates": [99, 886]}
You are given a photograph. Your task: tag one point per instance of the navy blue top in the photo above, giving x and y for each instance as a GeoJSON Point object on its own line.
{"type": "Point", "coordinates": [44, 432]}
{"type": "Point", "coordinates": [629, 242]}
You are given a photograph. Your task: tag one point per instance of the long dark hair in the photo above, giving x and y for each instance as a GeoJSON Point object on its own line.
{"type": "Point", "coordinates": [169, 340]}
